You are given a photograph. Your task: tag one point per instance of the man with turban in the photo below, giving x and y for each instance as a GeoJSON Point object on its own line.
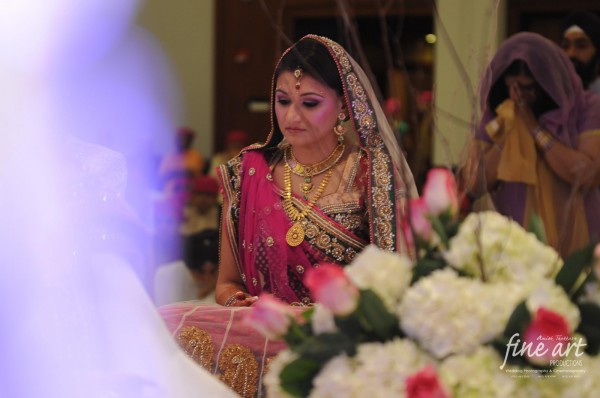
{"type": "Point", "coordinates": [581, 41]}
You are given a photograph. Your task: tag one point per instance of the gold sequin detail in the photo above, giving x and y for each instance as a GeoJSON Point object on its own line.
{"type": "Point", "coordinates": [350, 255]}
{"type": "Point", "coordinates": [197, 343]}
{"type": "Point", "coordinates": [269, 176]}
{"type": "Point", "coordinates": [323, 241]}
{"type": "Point", "coordinates": [251, 171]}
{"type": "Point", "coordinates": [299, 269]}
{"type": "Point", "coordinates": [239, 369]}
{"type": "Point", "coordinates": [311, 230]}
{"type": "Point", "coordinates": [337, 251]}
{"type": "Point", "coordinates": [270, 241]}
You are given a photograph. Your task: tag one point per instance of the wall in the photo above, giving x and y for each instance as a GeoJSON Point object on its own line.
{"type": "Point", "coordinates": [185, 28]}
{"type": "Point", "coordinates": [470, 31]}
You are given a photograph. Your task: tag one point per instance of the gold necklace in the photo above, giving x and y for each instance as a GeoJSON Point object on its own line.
{"type": "Point", "coordinates": [295, 235]}
{"type": "Point", "coordinates": [309, 171]}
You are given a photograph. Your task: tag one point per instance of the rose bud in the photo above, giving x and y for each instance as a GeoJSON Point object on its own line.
{"type": "Point", "coordinates": [416, 220]}
{"type": "Point", "coordinates": [270, 316]}
{"type": "Point", "coordinates": [440, 192]}
{"type": "Point", "coordinates": [330, 286]}
{"type": "Point", "coordinates": [543, 336]}
{"type": "Point", "coordinates": [425, 384]}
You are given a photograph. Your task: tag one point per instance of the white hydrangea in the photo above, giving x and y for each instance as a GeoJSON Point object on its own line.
{"type": "Point", "coordinates": [387, 274]}
{"type": "Point", "coordinates": [322, 320]}
{"type": "Point", "coordinates": [378, 370]}
{"type": "Point", "coordinates": [553, 297]}
{"type": "Point", "coordinates": [334, 380]}
{"type": "Point", "coordinates": [271, 377]}
{"type": "Point", "coordinates": [387, 366]}
{"type": "Point", "coordinates": [449, 314]}
{"type": "Point", "coordinates": [584, 382]}
{"type": "Point", "coordinates": [506, 251]}
{"type": "Point", "coordinates": [477, 375]}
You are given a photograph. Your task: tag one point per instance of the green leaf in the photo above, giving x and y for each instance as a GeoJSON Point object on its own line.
{"type": "Point", "coordinates": [426, 265]}
{"type": "Point", "coordinates": [297, 334]}
{"type": "Point", "coordinates": [590, 327]}
{"type": "Point", "coordinates": [518, 320]}
{"type": "Point", "coordinates": [296, 377]}
{"type": "Point", "coordinates": [376, 318]}
{"type": "Point", "coordinates": [573, 267]}
{"type": "Point", "coordinates": [536, 226]}
{"type": "Point", "coordinates": [323, 347]}
{"type": "Point", "coordinates": [438, 227]}
{"type": "Point", "coordinates": [307, 315]}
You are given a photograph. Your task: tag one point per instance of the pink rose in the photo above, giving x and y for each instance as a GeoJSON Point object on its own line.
{"type": "Point", "coordinates": [393, 106]}
{"type": "Point", "coordinates": [425, 384]}
{"type": "Point", "coordinates": [270, 316]}
{"type": "Point", "coordinates": [546, 338]}
{"type": "Point", "coordinates": [440, 191]}
{"type": "Point", "coordinates": [416, 217]}
{"type": "Point", "coordinates": [330, 286]}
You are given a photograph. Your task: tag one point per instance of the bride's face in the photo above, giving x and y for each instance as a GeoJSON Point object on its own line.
{"type": "Point", "coordinates": [37, 35]}
{"type": "Point", "coordinates": [306, 115]}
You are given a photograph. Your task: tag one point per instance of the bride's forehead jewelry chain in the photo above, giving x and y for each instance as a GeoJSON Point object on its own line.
{"type": "Point", "coordinates": [295, 235]}
{"type": "Point", "coordinates": [309, 171]}
{"type": "Point", "coordinates": [298, 76]}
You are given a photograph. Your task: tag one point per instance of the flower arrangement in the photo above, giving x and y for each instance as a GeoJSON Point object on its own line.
{"type": "Point", "coordinates": [486, 310]}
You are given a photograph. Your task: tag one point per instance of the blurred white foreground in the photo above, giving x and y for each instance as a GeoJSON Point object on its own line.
{"type": "Point", "coordinates": [76, 317]}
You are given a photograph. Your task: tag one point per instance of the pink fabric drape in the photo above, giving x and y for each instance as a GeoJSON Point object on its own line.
{"type": "Point", "coordinates": [267, 260]}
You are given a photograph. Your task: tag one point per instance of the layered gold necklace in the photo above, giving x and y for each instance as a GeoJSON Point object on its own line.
{"type": "Point", "coordinates": [309, 171]}
{"type": "Point", "coordinates": [295, 235]}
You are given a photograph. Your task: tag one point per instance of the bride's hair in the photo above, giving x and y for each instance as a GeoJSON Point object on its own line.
{"type": "Point", "coordinates": [315, 60]}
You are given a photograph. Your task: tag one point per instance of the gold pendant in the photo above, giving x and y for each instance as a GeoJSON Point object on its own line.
{"type": "Point", "coordinates": [306, 187]}
{"type": "Point", "coordinates": [295, 235]}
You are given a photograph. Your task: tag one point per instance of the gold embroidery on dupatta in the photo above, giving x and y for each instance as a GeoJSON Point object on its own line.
{"type": "Point", "coordinates": [240, 369]}
{"type": "Point", "coordinates": [197, 343]}
{"type": "Point", "coordinates": [382, 177]}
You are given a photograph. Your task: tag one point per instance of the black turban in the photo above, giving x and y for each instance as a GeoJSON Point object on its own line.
{"type": "Point", "coordinates": [587, 21]}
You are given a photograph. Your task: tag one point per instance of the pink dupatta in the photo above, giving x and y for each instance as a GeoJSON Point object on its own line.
{"type": "Point", "coordinates": [267, 261]}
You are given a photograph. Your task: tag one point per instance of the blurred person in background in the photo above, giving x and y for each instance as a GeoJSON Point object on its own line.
{"type": "Point", "coordinates": [540, 142]}
{"type": "Point", "coordinates": [183, 162]}
{"type": "Point", "coordinates": [235, 141]}
{"type": "Point", "coordinates": [195, 276]}
{"type": "Point", "coordinates": [201, 210]}
{"type": "Point", "coordinates": [581, 41]}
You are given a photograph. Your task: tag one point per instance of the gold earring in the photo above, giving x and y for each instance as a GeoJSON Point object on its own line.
{"type": "Point", "coordinates": [339, 129]}
{"type": "Point", "coordinates": [298, 76]}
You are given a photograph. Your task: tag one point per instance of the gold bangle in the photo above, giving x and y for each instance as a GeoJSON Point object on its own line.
{"type": "Point", "coordinates": [542, 139]}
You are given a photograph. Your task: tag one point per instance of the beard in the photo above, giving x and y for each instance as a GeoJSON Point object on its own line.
{"type": "Point", "coordinates": [586, 70]}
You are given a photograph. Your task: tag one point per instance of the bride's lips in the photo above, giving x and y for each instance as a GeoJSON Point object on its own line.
{"type": "Point", "coordinates": [294, 130]}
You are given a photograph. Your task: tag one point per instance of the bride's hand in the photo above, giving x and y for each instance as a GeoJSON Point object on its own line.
{"type": "Point", "coordinates": [241, 299]}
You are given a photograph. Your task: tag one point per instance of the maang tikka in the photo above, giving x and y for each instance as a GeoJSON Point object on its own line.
{"type": "Point", "coordinates": [298, 76]}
